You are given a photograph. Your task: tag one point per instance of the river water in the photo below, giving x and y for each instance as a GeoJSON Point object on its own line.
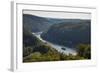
{"type": "Point", "coordinates": [66, 50]}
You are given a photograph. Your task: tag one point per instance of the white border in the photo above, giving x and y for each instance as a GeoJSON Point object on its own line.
{"type": "Point", "coordinates": [18, 65]}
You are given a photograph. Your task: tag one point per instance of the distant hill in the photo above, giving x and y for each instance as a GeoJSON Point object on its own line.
{"type": "Point", "coordinates": [69, 33]}
{"type": "Point", "coordinates": [37, 24]}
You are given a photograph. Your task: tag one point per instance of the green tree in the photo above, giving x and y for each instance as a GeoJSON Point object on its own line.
{"type": "Point", "coordinates": [27, 51]}
{"type": "Point", "coordinates": [84, 50]}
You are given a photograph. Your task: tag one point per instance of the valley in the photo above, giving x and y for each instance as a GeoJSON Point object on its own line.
{"type": "Point", "coordinates": [67, 50]}
{"type": "Point", "coordinates": [53, 39]}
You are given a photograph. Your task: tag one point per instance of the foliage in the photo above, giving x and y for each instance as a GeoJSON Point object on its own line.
{"type": "Point", "coordinates": [42, 53]}
{"type": "Point", "coordinates": [27, 51]}
{"type": "Point", "coordinates": [35, 50]}
{"type": "Point", "coordinates": [66, 32]}
{"type": "Point", "coordinates": [47, 53]}
{"type": "Point", "coordinates": [84, 50]}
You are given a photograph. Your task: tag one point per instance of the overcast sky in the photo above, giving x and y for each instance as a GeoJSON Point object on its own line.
{"type": "Point", "coordinates": [64, 15]}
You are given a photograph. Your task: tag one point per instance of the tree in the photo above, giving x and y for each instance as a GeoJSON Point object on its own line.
{"type": "Point", "coordinates": [27, 51]}
{"type": "Point", "coordinates": [84, 50]}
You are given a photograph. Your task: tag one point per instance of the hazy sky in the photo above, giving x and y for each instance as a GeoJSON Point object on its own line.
{"type": "Point", "coordinates": [64, 15]}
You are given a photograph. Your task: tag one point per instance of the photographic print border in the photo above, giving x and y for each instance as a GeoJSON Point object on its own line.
{"type": "Point", "coordinates": [16, 23]}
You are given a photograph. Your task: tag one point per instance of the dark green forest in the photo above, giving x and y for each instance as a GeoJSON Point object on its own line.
{"type": "Point", "coordinates": [73, 33]}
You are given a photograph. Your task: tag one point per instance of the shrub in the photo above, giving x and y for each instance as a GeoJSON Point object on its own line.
{"type": "Point", "coordinates": [84, 50]}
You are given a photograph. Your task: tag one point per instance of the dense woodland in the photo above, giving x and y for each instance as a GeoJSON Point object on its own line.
{"type": "Point", "coordinates": [75, 32]}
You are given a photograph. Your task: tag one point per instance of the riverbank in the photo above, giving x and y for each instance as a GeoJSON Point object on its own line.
{"type": "Point", "coordinates": [66, 50]}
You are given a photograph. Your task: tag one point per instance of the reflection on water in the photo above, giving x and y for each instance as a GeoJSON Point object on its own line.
{"type": "Point", "coordinates": [59, 48]}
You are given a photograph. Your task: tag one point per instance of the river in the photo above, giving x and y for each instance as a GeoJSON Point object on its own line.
{"type": "Point", "coordinates": [66, 50]}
